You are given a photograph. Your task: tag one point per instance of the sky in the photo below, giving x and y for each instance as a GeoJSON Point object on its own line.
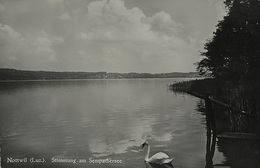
{"type": "Point", "coordinates": [153, 36]}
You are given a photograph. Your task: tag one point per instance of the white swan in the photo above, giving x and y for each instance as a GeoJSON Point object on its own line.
{"type": "Point", "coordinates": [158, 158]}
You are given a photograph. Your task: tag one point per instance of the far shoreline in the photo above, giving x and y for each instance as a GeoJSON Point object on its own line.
{"type": "Point", "coordinates": [21, 75]}
{"type": "Point", "coordinates": [62, 80]}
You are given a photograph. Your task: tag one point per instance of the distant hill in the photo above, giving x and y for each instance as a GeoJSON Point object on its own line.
{"type": "Point", "coordinates": [13, 74]}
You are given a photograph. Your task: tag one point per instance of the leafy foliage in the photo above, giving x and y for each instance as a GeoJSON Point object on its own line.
{"type": "Point", "coordinates": [234, 51]}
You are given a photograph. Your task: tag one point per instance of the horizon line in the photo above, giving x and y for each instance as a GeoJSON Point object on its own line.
{"type": "Point", "coordinates": [97, 71]}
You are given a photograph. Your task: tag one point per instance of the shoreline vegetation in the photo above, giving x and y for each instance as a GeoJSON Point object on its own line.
{"type": "Point", "coordinates": [243, 95]}
{"type": "Point", "coordinates": [13, 74]}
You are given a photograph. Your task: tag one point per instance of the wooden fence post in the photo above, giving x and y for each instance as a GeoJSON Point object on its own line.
{"type": "Point", "coordinates": [211, 126]}
{"type": "Point", "coordinates": [210, 116]}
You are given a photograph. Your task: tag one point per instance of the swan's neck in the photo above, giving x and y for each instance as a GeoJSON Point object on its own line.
{"type": "Point", "coordinates": [148, 152]}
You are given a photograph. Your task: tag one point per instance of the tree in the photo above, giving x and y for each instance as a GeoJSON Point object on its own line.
{"type": "Point", "coordinates": [234, 51]}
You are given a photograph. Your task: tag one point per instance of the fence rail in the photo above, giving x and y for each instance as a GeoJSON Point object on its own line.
{"type": "Point", "coordinates": [210, 119]}
{"type": "Point", "coordinates": [221, 104]}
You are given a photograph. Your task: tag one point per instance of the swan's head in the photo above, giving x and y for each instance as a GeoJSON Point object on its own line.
{"type": "Point", "coordinates": [144, 144]}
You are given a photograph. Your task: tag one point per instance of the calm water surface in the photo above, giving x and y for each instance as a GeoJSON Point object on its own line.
{"type": "Point", "coordinates": [102, 119]}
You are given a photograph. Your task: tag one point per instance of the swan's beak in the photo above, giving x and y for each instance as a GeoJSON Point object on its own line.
{"type": "Point", "coordinates": [143, 145]}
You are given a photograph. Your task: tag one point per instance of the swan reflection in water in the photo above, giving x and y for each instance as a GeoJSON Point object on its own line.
{"type": "Point", "coordinates": [154, 165]}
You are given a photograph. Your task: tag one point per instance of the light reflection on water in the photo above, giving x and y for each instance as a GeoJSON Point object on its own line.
{"type": "Point", "coordinates": [102, 118]}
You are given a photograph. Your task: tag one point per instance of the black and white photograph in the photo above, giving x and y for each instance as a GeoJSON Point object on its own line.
{"type": "Point", "coordinates": [129, 83]}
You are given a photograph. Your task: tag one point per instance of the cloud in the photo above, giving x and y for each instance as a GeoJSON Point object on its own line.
{"type": "Point", "coordinates": [138, 41]}
{"type": "Point", "coordinates": [163, 24]}
{"type": "Point", "coordinates": [8, 35]}
{"type": "Point", "coordinates": [65, 16]}
{"type": "Point", "coordinates": [114, 21]}
{"type": "Point", "coordinates": [29, 51]}
{"type": "Point", "coordinates": [83, 36]}
{"type": "Point", "coordinates": [113, 36]}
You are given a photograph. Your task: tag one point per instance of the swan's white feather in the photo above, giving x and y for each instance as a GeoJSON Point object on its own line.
{"type": "Point", "coordinates": [165, 161]}
{"type": "Point", "coordinates": [159, 157]}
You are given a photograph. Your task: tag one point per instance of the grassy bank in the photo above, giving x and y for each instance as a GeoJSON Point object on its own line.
{"type": "Point", "coordinates": [242, 95]}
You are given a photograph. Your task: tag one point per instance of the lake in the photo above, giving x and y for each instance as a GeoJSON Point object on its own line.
{"type": "Point", "coordinates": [101, 119]}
